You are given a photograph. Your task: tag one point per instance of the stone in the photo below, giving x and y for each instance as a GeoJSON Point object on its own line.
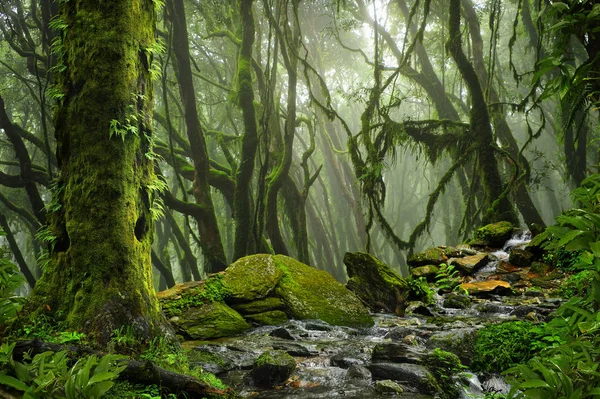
{"type": "Point", "coordinates": [251, 277]}
{"type": "Point", "coordinates": [395, 352]}
{"type": "Point", "coordinates": [346, 360]}
{"type": "Point", "coordinates": [378, 286]}
{"type": "Point", "coordinates": [506, 267]}
{"type": "Point", "coordinates": [520, 257]}
{"type": "Point", "coordinates": [210, 320]}
{"type": "Point", "coordinates": [401, 332]}
{"type": "Point", "coordinates": [488, 287]}
{"type": "Point", "coordinates": [468, 264]}
{"type": "Point", "coordinates": [271, 318]}
{"type": "Point", "coordinates": [282, 333]}
{"type": "Point", "coordinates": [494, 234]}
{"type": "Point", "coordinates": [431, 256]}
{"type": "Point", "coordinates": [418, 308]}
{"type": "Point", "coordinates": [428, 271]}
{"type": "Point", "coordinates": [455, 301]}
{"type": "Point", "coordinates": [309, 293]}
{"type": "Point", "coordinates": [258, 306]}
{"type": "Point", "coordinates": [358, 372]}
{"type": "Point", "coordinates": [539, 267]}
{"type": "Point", "coordinates": [218, 359]}
{"type": "Point", "coordinates": [460, 341]}
{"type": "Point", "coordinates": [384, 387]}
{"type": "Point", "coordinates": [271, 368]}
{"type": "Point", "coordinates": [294, 349]}
{"type": "Point", "coordinates": [413, 375]}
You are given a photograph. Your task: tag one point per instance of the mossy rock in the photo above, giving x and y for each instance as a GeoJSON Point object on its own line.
{"type": "Point", "coordinates": [210, 320]}
{"type": "Point", "coordinates": [374, 282]}
{"type": "Point", "coordinates": [270, 318]}
{"type": "Point", "coordinates": [428, 271]}
{"type": "Point", "coordinates": [494, 234]}
{"type": "Point", "coordinates": [459, 341]}
{"type": "Point", "coordinates": [272, 367]}
{"type": "Point", "coordinates": [431, 256]}
{"type": "Point", "coordinates": [309, 293]}
{"type": "Point", "coordinates": [520, 257]}
{"type": "Point", "coordinates": [259, 306]}
{"type": "Point", "coordinates": [251, 277]}
{"type": "Point", "coordinates": [469, 264]}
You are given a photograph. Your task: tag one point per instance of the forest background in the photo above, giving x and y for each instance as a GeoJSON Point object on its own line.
{"type": "Point", "coordinates": [316, 128]}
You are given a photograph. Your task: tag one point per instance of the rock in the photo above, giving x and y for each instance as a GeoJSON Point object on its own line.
{"type": "Point", "coordinates": [549, 281]}
{"type": "Point", "coordinates": [316, 325]}
{"type": "Point", "coordinates": [294, 349]}
{"type": "Point", "coordinates": [463, 250]}
{"type": "Point", "coordinates": [271, 318]}
{"type": "Point", "coordinates": [505, 267]}
{"type": "Point", "coordinates": [309, 293]}
{"type": "Point", "coordinates": [539, 268]}
{"type": "Point", "coordinates": [251, 277]}
{"type": "Point", "coordinates": [431, 256]}
{"type": "Point", "coordinates": [455, 301]}
{"type": "Point", "coordinates": [418, 307]}
{"type": "Point", "coordinates": [399, 333]}
{"type": "Point", "coordinates": [459, 341]}
{"type": "Point", "coordinates": [534, 292]}
{"type": "Point", "coordinates": [384, 387]}
{"type": "Point", "coordinates": [413, 375]}
{"type": "Point", "coordinates": [348, 359]}
{"type": "Point", "coordinates": [495, 234]}
{"type": "Point", "coordinates": [259, 306]}
{"type": "Point", "coordinates": [428, 271]}
{"type": "Point", "coordinates": [395, 352]}
{"type": "Point", "coordinates": [520, 257]}
{"type": "Point", "coordinates": [358, 372]}
{"type": "Point", "coordinates": [469, 264]}
{"type": "Point", "coordinates": [218, 359]}
{"type": "Point", "coordinates": [178, 290]}
{"type": "Point", "coordinates": [489, 287]}
{"type": "Point", "coordinates": [271, 368]}
{"type": "Point", "coordinates": [282, 333]}
{"type": "Point", "coordinates": [210, 320]}
{"type": "Point", "coordinates": [511, 278]}
{"type": "Point", "coordinates": [375, 283]}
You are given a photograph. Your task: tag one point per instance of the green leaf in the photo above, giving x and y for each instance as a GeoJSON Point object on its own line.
{"type": "Point", "coordinates": [570, 236]}
{"type": "Point", "coordinates": [102, 377]}
{"type": "Point", "coordinates": [13, 382]}
{"type": "Point", "coordinates": [100, 389]}
{"type": "Point", "coordinates": [535, 384]}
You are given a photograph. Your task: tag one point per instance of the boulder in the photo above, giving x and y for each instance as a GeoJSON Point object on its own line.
{"type": "Point", "coordinates": [270, 318]}
{"type": "Point", "coordinates": [358, 372]}
{"type": "Point", "coordinates": [520, 257]}
{"type": "Point", "coordinates": [271, 368]}
{"type": "Point", "coordinates": [413, 375]}
{"type": "Point", "coordinates": [428, 271]}
{"type": "Point", "coordinates": [395, 352]}
{"type": "Point", "coordinates": [209, 320]}
{"type": "Point", "coordinates": [375, 283]}
{"type": "Point", "coordinates": [309, 293]}
{"type": "Point", "coordinates": [468, 264]}
{"type": "Point", "coordinates": [494, 234]}
{"type": "Point", "coordinates": [387, 387]}
{"type": "Point", "coordinates": [431, 256]}
{"type": "Point", "coordinates": [460, 341]}
{"type": "Point", "coordinates": [539, 267]}
{"type": "Point", "coordinates": [505, 267]}
{"type": "Point", "coordinates": [259, 306]}
{"type": "Point", "coordinates": [489, 287]}
{"type": "Point", "coordinates": [251, 277]}
{"type": "Point", "coordinates": [455, 301]}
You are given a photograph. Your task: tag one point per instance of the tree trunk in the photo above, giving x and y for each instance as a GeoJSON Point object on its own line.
{"type": "Point", "coordinates": [100, 274]}
{"type": "Point", "coordinates": [212, 247]}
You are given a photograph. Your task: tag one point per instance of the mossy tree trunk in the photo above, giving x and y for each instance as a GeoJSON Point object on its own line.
{"type": "Point", "coordinates": [203, 211]}
{"type": "Point", "coordinates": [496, 204]}
{"type": "Point", "coordinates": [99, 276]}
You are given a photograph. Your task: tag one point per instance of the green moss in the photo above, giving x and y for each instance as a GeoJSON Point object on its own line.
{"type": "Point", "coordinates": [431, 256]}
{"type": "Point", "coordinates": [495, 234]}
{"type": "Point", "coordinates": [309, 293]}
{"type": "Point", "coordinates": [271, 318]}
{"type": "Point", "coordinates": [212, 289]}
{"type": "Point", "coordinates": [250, 278]}
{"type": "Point", "coordinates": [211, 320]}
{"type": "Point", "coordinates": [259, 306]}
{"type": "Point", "coordinates": [444, 366]}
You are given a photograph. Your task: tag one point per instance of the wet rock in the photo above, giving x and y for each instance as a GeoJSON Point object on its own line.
{"type": "Point", "coordinates": [251, 277]}
{"type": "Point", "coordinates": [550, 281]}
{"type": "Point", "coordinates": [520, 257]}
{"type": "Point", "coordinates": [347, 360]}
{"type": "Point", "coordinates": [281, 333]}
{"type": "Point", "coordinates": [494, 234]}
{"type": "Point", "coordinates": [511, 278]}
{"type": "Point", "coordinates": [395, 352]}
{"type": "Point", "coordinates": [506, 267]}
{"type": "Point", "coordinates": [463, 250]}
{"type": "Point", "coordinates": [455, 301]}
{"type": "Point", "coordinates": [489, 287]}
{"type": "Point", "coordinates": [459, 341]}
{"type": "Point", "coordinates": [533, 293]}
{"type": "Point", "coordinates": [218, 359]}
{"type": "Point", "coordinates": [271, 368]}
{"type": "Point", "coordinates": [413, 375]}
{"type": "Point", "coordinates": [419, 308]}
{"type": "Point", "coordinates": [309, 293]}
{"type": "Point", "coordinates": [399, 333]}
{"type": "Point", "coordinates": [271, 318]}
{"type": "Point", "coordinates": [539, 267]}
{"type": "Point", "coordinates": [431, 256]}
{"type": "Point", "coordinates": [469, 264]}
{"type": "Point", "coordinates": [358, 372]}
{"type": "Point", "coordinates": [428, 271]}
{"type": "Point", "coordinates": [294, 349]}
{"type": "Point", "coordinates": [317, 325]}
{"type": "Point", "coordinates": [388, 387]}
{"type": "Point", "coordinates": [259, 306]}
{"type": "Point", "coordinates": [210, 320]}
{"type": "Point", "coordinates": [375, 283]}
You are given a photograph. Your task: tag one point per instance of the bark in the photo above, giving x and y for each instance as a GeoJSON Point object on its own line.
{"type": "Point", "coordinates": [164, 271]}
{"type": "Point", "coordinates": [497, 206]}
{"type": "Point", "coordinates": [14, 248]}
{"type": "Point", "coordinates": [243, 214]}
{"type": "Point", "coordinates": [100, 273]}
{"type": "Point", "coordinates": [212, 247]}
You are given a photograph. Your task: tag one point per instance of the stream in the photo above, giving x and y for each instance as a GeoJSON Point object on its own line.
{"type": "Point", "coordinates": [343, 362]}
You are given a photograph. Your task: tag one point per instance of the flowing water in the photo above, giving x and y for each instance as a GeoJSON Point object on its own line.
{"type": "Point", "coordinates": [339, 362]}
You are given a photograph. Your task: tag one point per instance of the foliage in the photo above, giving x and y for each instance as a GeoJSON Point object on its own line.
{"type": "Point", "coordinates": [10, 280]}
{"type": "Point", "coordinates": [577, 285]}
{"type": "Point", "coordinates": [448, 279]}
{"type": "Point", "coordinates": [419, 288]}
{"type": "Point", "coordinates": [126, 390]}
{"type": "Point", "coordinates": [123, 339]}
{"type": "Point", "coordinates": [51, 374]}
{"type": "Point", "coordinates": [444, 366]}
{"type": "Point", "coordinates": [500, 346]}
{"type": "Point", "coordinates": [213, 290]}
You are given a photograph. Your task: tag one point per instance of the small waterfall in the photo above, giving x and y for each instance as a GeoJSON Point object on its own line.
{"type": "Point", "coordinates": [519, 240]}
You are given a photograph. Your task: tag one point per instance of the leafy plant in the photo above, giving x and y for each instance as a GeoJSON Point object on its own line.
{"type": "Point", "coordinates": [577, 284]}
{"type": "Point", "coordinates": [10, 280]}
{"type": "Point", "coordinates": [444, 366]}
{"type": "Point", "coordinates": [124, 339]}
{"type": "Point", "coordinates": [448, 279]}
{"type": "Point", "coordinates": [419, 288]}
